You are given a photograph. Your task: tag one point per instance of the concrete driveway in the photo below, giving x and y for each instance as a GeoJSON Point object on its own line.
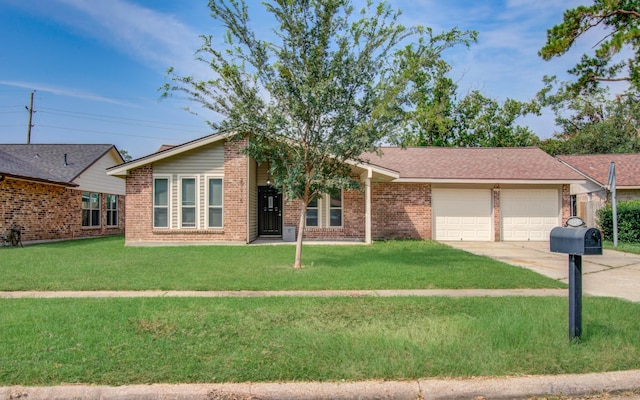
{"type": "Point", "coordinates": [613, 274]}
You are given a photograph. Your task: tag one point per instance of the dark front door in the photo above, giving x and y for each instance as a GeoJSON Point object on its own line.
{"type": "Point", "coordinates": [269, 211]}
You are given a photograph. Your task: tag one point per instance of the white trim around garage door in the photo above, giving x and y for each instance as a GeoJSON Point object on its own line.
{"type": "Point", "coordinates": [462, 214]}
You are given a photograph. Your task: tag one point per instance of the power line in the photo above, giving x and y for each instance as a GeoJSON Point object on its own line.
{"type": "Point", "coordinates": [104, 133]}
{"type": "Point", "coordinates": [133, 124]}
{"type": "Point", "coordinates": [118, 118]}
{"type": "Point", "coordinates": [146, 126]}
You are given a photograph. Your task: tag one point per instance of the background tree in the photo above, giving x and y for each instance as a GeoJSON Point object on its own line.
{"type": "Point", "coordinates": [590, 119]}
{"type": "Point", "coordinates": [333, 84]}
{"type": "Point", "coordinates": [620, 21]}
{"type": "Point", "coordinates": [482, 122]}
{"type": "Point", "coordinates": [438, 119]}
{"type": "Point", "coordinates": [125, 155]}
{"type": "Point", "coordinates": [591, 124]}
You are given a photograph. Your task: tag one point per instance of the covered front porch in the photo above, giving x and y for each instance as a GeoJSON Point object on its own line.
{"type": "Point", "coordinates": [339, 220]}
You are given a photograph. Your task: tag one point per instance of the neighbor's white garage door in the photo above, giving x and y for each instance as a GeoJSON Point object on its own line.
{"type": "Point", "coordinates": [462, 214]}
{"type": "Point", "coordinates": [529, 214]}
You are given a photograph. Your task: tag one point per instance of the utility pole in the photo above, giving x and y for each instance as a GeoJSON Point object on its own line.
{"type": "Point", "coordinates": [30, 125]}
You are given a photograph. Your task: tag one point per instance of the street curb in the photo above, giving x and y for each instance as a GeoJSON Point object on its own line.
{"type": "Point", "coordinates": [432, 389]}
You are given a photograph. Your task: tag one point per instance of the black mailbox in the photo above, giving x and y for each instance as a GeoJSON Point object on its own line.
{"type": "Point", "coordinates": [578, 241]}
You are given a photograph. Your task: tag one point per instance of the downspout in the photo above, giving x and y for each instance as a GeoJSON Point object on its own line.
{"type": "Point", "coordinates": [367, 202]}
{"type": "Point", "coordinates": [248, 194]}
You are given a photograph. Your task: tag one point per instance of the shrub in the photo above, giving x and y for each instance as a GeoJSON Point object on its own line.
{"type": "Point", "coordinates": [628, 221]}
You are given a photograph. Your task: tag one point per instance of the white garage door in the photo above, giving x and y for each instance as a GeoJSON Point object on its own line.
{"type": "Point", "coordinates": [529, 214]}
{"type": "Point", "coordinates": [462, 214]}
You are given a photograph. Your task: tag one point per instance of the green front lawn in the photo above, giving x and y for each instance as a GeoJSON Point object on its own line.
{"type": "Point", "coordinates": [106, 264]}
{"type": "Point", "coordinates": [147, 340]}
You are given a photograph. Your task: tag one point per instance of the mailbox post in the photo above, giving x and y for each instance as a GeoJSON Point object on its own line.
{"type": "Point", "coordinates": [575, 241]}
{"type": "Point", "coordinates": [575, 296]}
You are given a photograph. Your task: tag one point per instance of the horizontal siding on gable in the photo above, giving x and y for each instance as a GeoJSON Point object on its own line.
{"type": "Point", "coordinates": [95, 178]}
{"type": "Point", "coordinates": [205, 160]}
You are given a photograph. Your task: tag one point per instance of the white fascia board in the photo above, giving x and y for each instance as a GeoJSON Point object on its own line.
{"type": "Point", "coordinates": [499, 181]}
{"type": "Point", "coordinates": [375, 169]}
{"type": "Point", "coordinates": [123, 169]}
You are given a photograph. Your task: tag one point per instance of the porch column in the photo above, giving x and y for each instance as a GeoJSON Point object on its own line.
{"type": "Point", "coordinates": [367, 206]}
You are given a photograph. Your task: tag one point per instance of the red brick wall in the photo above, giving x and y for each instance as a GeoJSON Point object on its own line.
{"type": "Point", "coordinates": [401, 210]}
{"type": "Point", "coordinates": [496, 214]}
{"type": "Point", "coordinates": [566, 203]}
{"type": "Point", "coordinates": [353, 218]}
{"type": "Point", "coordinates": [48, 212]}
{"type": "Point", "coordinates": [236, 166]}
{"type": "Point", "coordinates": [140, 205]}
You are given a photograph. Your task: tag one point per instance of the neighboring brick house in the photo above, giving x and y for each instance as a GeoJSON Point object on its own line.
{"type": "Point", "coordinates": [594, 193]}
{"type": "Point", "coordinates": [207, 191]}
{"type": "Point", "coordinates": [60, 191]}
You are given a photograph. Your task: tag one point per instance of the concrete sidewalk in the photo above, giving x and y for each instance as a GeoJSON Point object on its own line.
{"type": "Point", "coordinates": [290, 293]}
{"type": "Point", "coordinates": [436, 389]}
{"type": "Point", "coordinates": [613, 274]}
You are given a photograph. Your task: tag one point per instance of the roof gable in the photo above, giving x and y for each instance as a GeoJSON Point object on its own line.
{"type": "Point", "coordinates": [596, 167]}
{"type": "Point", "coordinates": [56, 163]}
{"type": "Point", "coordinates": [167, 151]}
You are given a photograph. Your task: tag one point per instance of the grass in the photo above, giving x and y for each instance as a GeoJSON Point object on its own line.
{"type": "Point", "coordinates": [189, 340]}
{"type": "Point", "coordinates": [106, 264]}
{"type": "Point", "coordinates": [626, 247]}
{"type": "Point", "coordinates": [133, 341]}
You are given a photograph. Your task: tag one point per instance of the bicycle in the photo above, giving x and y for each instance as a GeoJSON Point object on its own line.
{"type": "Point", "coordinates": [13, 237]}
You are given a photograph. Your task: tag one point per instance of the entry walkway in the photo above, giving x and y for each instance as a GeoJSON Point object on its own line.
{"type": "Point", "coordinates": [613, 274]}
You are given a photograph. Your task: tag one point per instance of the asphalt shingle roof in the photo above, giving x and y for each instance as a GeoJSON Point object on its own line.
{"type": "Point", "coordinates": [457, 163]}
{"type": "Point", "coordinates": [596, 167]}
{"type": "Point", "coordinates": [46, 162]}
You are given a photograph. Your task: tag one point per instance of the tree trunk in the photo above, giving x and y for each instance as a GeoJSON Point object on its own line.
{"type": "Point", "coordinates": [303, 213]}
{"type": "Point", "coordinates": [298, 262]}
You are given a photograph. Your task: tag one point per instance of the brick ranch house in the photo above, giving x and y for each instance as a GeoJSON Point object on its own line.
{"type": "Point", "coordinates": [207, 191]}
{"type": "Point", "coordinates": [60, 191]}
{"type": "Point", "coordinates": [594, 193]}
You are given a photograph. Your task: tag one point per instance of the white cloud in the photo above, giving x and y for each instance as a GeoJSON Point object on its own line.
{"type": "Point", "coordinates": [67, 92]}
{"type": "Point", "coordinates": [156, 39]}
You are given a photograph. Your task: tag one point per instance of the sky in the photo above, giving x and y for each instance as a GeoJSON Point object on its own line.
{"type": "Point", "coordinates": [96, 66]}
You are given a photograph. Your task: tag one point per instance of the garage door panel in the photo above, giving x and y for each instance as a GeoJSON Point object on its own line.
{"type": "Point", "coordinates": [539, 236]}
{"type": "Point", "coordinates": [461, 214]}
{"type": "Point", "coordinates": [468, 221]}
{"type": "Point", "coordinates": [528, 214]}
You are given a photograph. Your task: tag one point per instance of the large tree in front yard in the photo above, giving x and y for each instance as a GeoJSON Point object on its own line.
{"type": "Point", "coordinates": [330, 83]}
